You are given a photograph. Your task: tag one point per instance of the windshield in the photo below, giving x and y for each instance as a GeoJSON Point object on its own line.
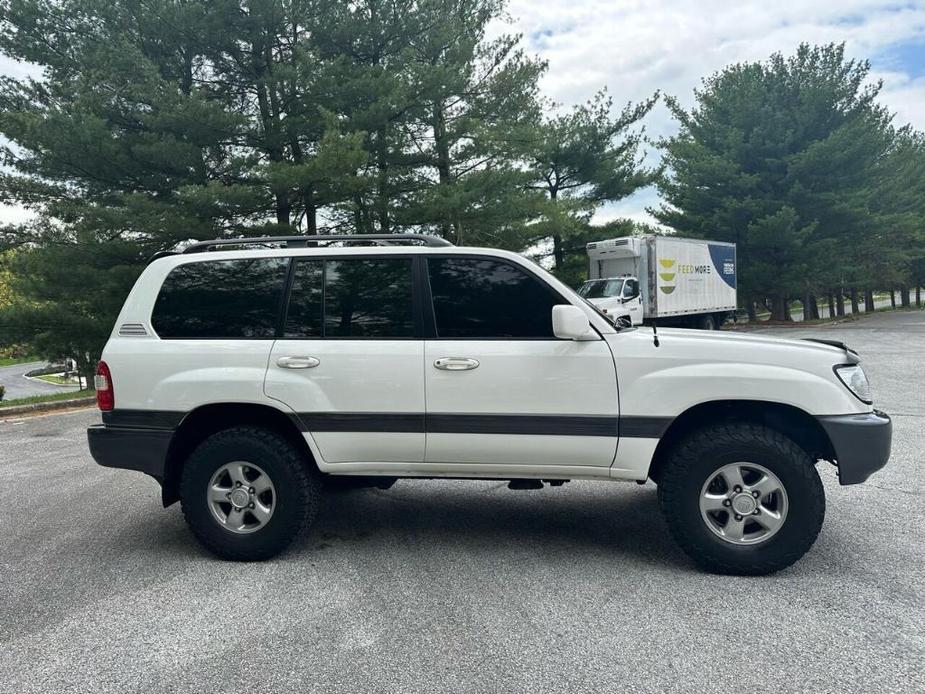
{"type": "Point", "coordinates": [601, 289]}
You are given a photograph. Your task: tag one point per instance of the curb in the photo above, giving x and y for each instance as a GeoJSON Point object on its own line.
{"type": "Point", "coordinates": [46, 406]}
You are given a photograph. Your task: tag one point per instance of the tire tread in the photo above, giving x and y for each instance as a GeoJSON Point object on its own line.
{"type": "Point", "coordinates": [307, 483]}
{"type": "Point", "coordinates": [686, 454]}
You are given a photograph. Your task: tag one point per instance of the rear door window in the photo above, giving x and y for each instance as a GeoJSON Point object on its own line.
{"type": "Point", "coordinates": [221, 299]}
{"type": "Point", "coordinates": [351, 298]}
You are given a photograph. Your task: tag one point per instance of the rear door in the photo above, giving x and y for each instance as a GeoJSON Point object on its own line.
{"type": "Point", "coordinates": [501, 389]}
{"type": "Point", "coordinates": [350, 358]}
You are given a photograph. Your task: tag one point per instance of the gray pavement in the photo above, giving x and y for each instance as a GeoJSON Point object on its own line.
{"type": "Point", "coordinates": [18, 386]}
{"type": "Point", "coordinates": [460, 586]}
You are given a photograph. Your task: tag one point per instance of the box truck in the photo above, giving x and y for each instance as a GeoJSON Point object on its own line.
{"type": "Point", "coordinates": [663, 279]}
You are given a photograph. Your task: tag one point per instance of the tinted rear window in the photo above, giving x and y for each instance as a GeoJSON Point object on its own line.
{"type": "Point", "coordinates": [351, 298]}
{"type": "Point", "coordinates": [221, 299]}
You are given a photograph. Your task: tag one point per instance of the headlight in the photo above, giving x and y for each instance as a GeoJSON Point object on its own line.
{"type": "Point", "coordinates": [854, 378]}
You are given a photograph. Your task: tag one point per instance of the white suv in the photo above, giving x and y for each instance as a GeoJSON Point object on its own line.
{"type": "Point", "coordinates": [245, 379]}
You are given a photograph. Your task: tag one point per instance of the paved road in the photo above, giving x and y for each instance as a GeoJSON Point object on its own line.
{"type": "Point", "coordinates": [18, 386]}
{"type": "Point", "coordinates": [459, 586]}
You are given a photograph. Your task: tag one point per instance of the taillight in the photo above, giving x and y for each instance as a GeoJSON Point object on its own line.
{"type": "Point", "coordinates": [105, 397]}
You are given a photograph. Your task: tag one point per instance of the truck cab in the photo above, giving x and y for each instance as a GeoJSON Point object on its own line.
{"type": "Point", "coordinates": [615, 296]}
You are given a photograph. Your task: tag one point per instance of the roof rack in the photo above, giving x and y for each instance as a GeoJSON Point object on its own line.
{"type": "Point", "coordinates": [303, 241]}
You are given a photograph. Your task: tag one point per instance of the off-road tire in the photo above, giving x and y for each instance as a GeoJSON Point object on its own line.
{"type": "Point", "coordinates": [296, 482]}
{"type": "Point", "coordinates": [692, 460]}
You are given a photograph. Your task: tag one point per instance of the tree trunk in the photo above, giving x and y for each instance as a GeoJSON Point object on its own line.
{"type": "Point", "coordinates": [442, 149]}
{"type": "Point", "coordinates": [311, 219]}
{"type": "Point", "coordinates": [85, 370]}
{"type": "Point", "coordinates": [814, 307]}
{"type": "Point", "coordinates": [893, 299]}
{"type": "Point", "coordinates": [918, 296]}
{"type": "Point", "coordinates": [780, 309]}
{"type": "Point", "coordinates": [904, 296]}
{"type": "Point", "coordinates": [382, 188]}
{"type": "Point", "coordinates": [751, 310]}
{"type": "Point", "coordinates": [557, 253]}
{"type": "Point", "coordinates": [831, 298]}
{"type": "Point", "coordinates": [807, 307]}
{"type": "Point", "coordinates": [869, 306]}
{"type": "Point", "coordinates": [839, 303]}
{"type": "Point", "coordinates": [359, 219]}
{"type": "Point", "coordinates": [855, 308]}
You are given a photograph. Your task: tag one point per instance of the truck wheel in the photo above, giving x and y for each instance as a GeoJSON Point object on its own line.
{"type": "Point", "coordinates": [741, 499]}
{"type": "Point", "coordinates": [247, 492]}
{"type": "Point", "coordinates": [707, 322]}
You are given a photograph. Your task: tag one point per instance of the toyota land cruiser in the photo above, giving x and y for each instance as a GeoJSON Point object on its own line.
{"type": "Point", "coordinates": [245, 376]}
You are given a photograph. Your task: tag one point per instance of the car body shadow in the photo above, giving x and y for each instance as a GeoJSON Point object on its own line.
{"type": "Point", "coordinates": [617, 519]}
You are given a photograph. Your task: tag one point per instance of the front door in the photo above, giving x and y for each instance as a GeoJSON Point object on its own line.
{"type": "Point", "coordinates": [348, 361]}
{"type": "Point", "coordinates": [632, 301]}
{"type": "Point", "coordinates": [500, 388]}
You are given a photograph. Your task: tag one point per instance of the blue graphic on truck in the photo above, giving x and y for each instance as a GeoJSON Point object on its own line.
{"type": "Point", "coordinates": [724, 262]}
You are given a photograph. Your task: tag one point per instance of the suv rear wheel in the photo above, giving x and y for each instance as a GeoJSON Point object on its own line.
{"type": "Point", "coordinates": [247, 492]}
{"type": "Point", "coordinates": [741, 499]}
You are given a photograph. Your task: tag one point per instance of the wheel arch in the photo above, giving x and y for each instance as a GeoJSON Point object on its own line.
{"type": "Point", "coordinates": [796, 424]}
{"type": "Point", "coordinates": [200, 423]}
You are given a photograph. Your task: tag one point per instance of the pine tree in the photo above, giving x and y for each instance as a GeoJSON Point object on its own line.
{"type": "Point", "coordinates": [779, 157]}
{"type": "Point", "coordinates": [580, 160]}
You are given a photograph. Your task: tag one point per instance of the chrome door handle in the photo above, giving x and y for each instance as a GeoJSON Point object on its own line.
{"type": "Point", "coordinates": [297, 362]}
{"type": "Point", "coordinates": [456, 363]}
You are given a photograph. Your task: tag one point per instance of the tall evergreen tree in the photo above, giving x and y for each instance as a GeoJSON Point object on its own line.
{"type": "Point", "coordinates": [154, 122]}
{"type": "Point", "coordinates": [895, 251]}
{"type": "Point", "coordinates": [476, 95]}
{"type": "Point", "coordinates": [779, 157]}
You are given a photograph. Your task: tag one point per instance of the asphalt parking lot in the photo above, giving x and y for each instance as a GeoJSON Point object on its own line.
{"type": "Point", "coordinates": [460, 586]}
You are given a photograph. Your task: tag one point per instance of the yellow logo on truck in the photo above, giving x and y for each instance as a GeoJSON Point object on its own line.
{"type": "Point", "coordinates": [667, 277]}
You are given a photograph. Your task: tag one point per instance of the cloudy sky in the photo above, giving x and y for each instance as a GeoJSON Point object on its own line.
{"type": "Point", "coordinates": [634, 48]}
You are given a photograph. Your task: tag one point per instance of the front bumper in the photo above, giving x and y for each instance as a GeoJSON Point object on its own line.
{"type": "Point", "coordinates": [144, 450]}
{"type": "Point", "coordinates": [861, 443]}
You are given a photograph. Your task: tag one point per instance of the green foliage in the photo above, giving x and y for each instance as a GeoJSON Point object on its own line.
{"type": "Point", "coordinates": [580, 160]}
{"type": "Point", "coordinates": [156, 123]}
{"type": "Point", "coordinates": [784, 158]}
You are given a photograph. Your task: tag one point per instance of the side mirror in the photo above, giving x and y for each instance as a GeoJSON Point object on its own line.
{"type": "Point", "coordinates": [570, 323]}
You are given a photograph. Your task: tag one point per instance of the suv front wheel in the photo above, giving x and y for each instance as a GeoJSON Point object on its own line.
{"type": "Point", "coordinates": [247, 493]}
{"type": "Point", "coordinates": [741, 499]}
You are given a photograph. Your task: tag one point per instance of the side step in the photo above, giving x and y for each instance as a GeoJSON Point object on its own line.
{"type": "Point", "coordinates": [534, 484]}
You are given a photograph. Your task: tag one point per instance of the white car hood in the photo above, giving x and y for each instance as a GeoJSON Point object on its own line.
{"type": "Point", "coordinates": [693, 366]}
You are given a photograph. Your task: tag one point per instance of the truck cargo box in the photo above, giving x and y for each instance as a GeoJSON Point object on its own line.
{"type": "Point", "coordinates": [677, 276]}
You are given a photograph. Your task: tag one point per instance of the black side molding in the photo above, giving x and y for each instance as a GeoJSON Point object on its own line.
{"type": "Point", "coordinates": [143, 419]}
{"type": "Point", "coordinates": [491, 423]}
